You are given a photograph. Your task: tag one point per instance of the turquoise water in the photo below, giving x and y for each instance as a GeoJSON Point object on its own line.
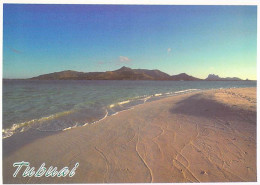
{"type": "Point", "coordinates": [59, 105]}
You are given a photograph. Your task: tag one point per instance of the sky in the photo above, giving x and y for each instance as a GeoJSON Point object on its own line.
{"type": "Point", "coordinates": [197, 40]}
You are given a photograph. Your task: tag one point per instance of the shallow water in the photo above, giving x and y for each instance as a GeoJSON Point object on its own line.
{"type": "Point", "coordinates": [61, 105]}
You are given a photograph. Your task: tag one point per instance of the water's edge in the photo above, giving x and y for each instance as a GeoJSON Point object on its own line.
{"type": "Point", "coordinates": [110, 110]}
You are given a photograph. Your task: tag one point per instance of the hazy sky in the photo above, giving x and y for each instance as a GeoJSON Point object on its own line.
{"type": "Point", "coordinates": [198, 40]}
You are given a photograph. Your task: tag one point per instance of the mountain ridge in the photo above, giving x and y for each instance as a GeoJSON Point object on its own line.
{"type": "Point", "coordinates": [126, 73]}
{"type": "Point", "coordinates": [213, 77]}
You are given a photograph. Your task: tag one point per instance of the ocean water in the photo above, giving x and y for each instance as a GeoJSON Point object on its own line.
{"type": "Point", "coordinates": [61, 105]}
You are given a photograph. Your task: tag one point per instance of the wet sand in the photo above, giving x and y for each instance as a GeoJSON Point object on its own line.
{"type": "Point", "coordinates": [207, 136]}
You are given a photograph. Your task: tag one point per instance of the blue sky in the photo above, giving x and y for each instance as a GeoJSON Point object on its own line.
{"type": "Point", "coordinates": [198, 40]}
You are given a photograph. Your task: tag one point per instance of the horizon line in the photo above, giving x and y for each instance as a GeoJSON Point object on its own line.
{"type": "Point", "coordinates": [129, 68]}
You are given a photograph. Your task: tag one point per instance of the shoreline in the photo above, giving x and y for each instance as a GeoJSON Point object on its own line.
{"type": "Point", "coordinates": [127, 128]}
{"type": "Point", "coordinates": [9, 132]}
{"type": "Point", "coordinates": [29, 136]}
